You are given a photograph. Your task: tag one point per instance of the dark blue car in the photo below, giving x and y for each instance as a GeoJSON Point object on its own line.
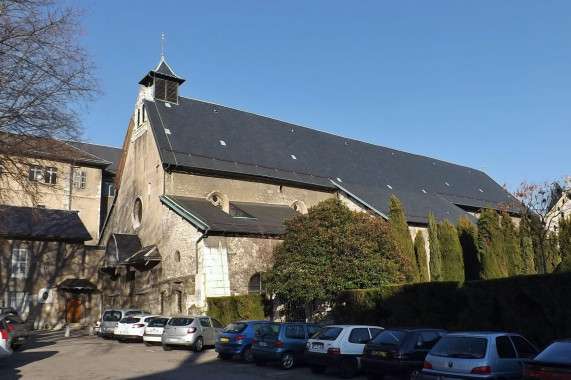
{"type": "Point", "coordinates": [236, 339]}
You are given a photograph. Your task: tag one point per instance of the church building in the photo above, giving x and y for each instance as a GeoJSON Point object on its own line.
{"type": "Point", "coordinates": [202, 190]}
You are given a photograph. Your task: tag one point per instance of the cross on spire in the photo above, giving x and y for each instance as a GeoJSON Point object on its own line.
{"type": "Point", "coordinates": [163, 45]}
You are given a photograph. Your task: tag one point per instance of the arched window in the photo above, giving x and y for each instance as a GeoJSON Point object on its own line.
{"type": "Point", "coordinates": [137, 213]}
{"type": "Point", "coordinates": [255, 285]}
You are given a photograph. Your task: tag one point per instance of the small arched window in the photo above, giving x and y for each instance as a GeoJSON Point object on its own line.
{"type": "Point", "coordinates": [137, 213]}
{"type": "Point", "coordinates": [255, 285]}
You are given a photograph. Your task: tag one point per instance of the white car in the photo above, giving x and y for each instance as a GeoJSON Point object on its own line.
{"type": "Point", "coordinates": [339, 346]}
{"type": "Point", "coordinates": [154, 330]}
{"type": "Point", "coordinates": [5, 339]}
{"type": "Point", "coordinates": [132, 327]}
{"type": "Point", "coordinates": [193, 331]}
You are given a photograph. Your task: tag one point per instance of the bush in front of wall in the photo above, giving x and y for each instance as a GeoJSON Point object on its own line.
{"type": "Point", "coordinates": [233, 308]}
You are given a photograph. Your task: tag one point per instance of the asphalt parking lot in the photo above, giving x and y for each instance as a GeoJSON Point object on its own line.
{"type": "Point", "coordinates": [51, 355]}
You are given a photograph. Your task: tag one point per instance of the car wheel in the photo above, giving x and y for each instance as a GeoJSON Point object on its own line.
{"type": "Point", "coordinates": [414, 374]}
{"type": "Point", "coordinates": [166, 347]}
{"type": "Point", "coordinates": [287, 360]}
{"type": "Point", "coordinates": [246, 355]}
{"type": "Point", "coordinates": [198, 345]}
{"type": "Point", "coordinates": [225, 356]}
{"type": "Point", "coordinates": [348, 368]}
{"type": "Point", "coordinates": [260, 362]}
{"type": "Point", "coordinates": [317, 369]}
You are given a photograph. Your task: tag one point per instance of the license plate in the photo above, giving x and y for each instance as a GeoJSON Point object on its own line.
{"type": "Point", "coordinates": [381, 354]}
{"type": "Point", "coordinates": [224, 340]}
{"type": "Point", "coordinates": [20, 338]}
{"type": "Point", "coordinates": [317, 346]}
{"type": "Point", "coordinates": [124, 332]}
{"type": "Point", "coordinates": [263, 344]}
{"type": "Point", "coordinates": [173, 340]}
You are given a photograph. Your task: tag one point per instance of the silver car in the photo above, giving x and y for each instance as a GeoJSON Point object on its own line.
{"type": "Point", "coordinates": [192, 331]}
{"type": "Point", "coordinates": [478, 355]}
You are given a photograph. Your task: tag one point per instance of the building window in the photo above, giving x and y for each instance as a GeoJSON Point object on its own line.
{"type": "Point", "coordinates": [178, 301]}
{"type": "Point", "coordinates": [16, 300]}
{"type": "Point", "coordinates": [19, 263]}
{"type": "Point", "coordinates": [50, 175]}
{"type": "Point", "coordinates": [36, 173]}
{"type": "Point", "coordinates": [79, 179]}
{"type": "Point", "coordinates": [255, 285]}
{"type": "Point", "coordinates": [137, 213]}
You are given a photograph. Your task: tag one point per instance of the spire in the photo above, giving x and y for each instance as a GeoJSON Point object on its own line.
{"type": "Point", "coordinates": [163, 80]}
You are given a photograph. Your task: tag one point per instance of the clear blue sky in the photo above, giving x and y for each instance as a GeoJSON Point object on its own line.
{"type": "Point", "coordinates": [485, 84]}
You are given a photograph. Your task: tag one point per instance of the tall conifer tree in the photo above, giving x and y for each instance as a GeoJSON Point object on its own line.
{"type": "Point", "coordinates": [512, 247]}
{"type": "Point", "coordinates": [434, 246]}
{"type": "Point", "coordinates": [451, 250]}
{"type": "Point", "coordinates": [491, 245]}
{"type": "Point", "coordinates": [397, 222]}
{"type": "Point", "coordinates": [468, 235]}
{"type": "Point", "coordinates": [420, 251]}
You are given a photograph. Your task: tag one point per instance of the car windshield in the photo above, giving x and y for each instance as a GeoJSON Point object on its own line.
{"type": "Point", "coordinates": [556, 352]}
{"type": "Point", "coordinates": [180, 321]}
{"type": "Point", "coordinates": [129, 320]}
{"type": "Point", "coordinates": [235, 327]}
{"type": "Point", "coordinates": [158, 322]}
{"type": "Point", "coordinates": [328, 333]}
{"type": "Point", "coordinates": [461, 347]}
{"type": "Point", "coordinates": [111, 316]}
{"type": "Point", "coordinates": [393, 337]}
{"type": "Point", "coordinates": [268, 328]}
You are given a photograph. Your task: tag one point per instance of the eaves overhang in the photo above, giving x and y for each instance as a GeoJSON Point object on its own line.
{"type": "Point", "coordinates": [184, 213]}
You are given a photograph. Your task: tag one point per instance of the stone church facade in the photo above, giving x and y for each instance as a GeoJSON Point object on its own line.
{"type": "Point", "coordinates": [202, 190]}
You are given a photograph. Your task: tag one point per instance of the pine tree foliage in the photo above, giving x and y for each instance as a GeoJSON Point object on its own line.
{"type": "Point", "coordinates": [491, 245]}
{"type": "Point", "coordinates": [512, 247]}
{"type": "Point", "coordinates": [451, 251]}
{"type": "Point", "coordinates": [331, 249]}
{"type": "Point", "coordinates": [468, 236]}
{"type": "Point", "coordinates": [397, 222]}
{"type": "Point", "coordinates": [564, 238]}
{"type": "Point", "coordinates": [421, 259]}
{"type": "Point", "coordinates": [434, 247]}
{"type": "Point", "coordinates": [527, 250]}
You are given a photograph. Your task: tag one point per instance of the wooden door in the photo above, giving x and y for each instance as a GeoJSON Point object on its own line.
{"type": "Point", "coordinates": [73, 310]}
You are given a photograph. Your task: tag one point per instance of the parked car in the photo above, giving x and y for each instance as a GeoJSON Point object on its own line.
{"type": "Point", "coordinates": [132, 327]}
{"type": "Point", "coordinates": [154, 330]}
{"type": "Point", "coordinates": [236, 339]}
{"type": "Point", "coordinates": [399, 352]}
{"type": "Point", "coordinates": [192, 331]}
{"type": "Point", "coordinates": [5, 339]}
{"type": "Point", "coordinates": [339, 346]}
{"type": "Point", "coordinates": [281, 341]}
{"type": "Point", "coordinates": [110, 317]}
{"type": "Point", "coordinates": [553, 362]}
{"type": "Point", "coordinates": [8, 311]}
{"type": "Point", "coordinates": [20, 330]}
{"type": "Point", "coordinates": [478, 355]}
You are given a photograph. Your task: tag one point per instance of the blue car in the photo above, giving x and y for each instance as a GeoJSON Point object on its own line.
{"type": "Point", "coordinates": [236, 339]}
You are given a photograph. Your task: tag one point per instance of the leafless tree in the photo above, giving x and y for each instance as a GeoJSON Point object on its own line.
{"type": "Point", "coordinates": [46, 83]}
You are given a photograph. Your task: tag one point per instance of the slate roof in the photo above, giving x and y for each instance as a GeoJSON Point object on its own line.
{"type": "Point", "coordinates": [201, 137]}
{"type": "Point", "coordinates": [49, 148]}
{"type": "Point", "coordinates": [111, 155]}
{"type": "Point", "coordinates": [265, 219]}
{"type": "Point", "coordinates": [41, 224]}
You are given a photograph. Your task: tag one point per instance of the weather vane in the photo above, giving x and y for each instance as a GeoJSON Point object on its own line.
{"type": "Point", "coordinates": [163, 45]}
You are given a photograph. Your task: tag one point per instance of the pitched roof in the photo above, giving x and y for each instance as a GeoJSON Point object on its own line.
{"type": "Point", "coordinates": [255, 218]}
{"type": "Point", "coordinates": [110, 154]}
{"type": "Point", "coordinates": [41, 224]}
{"type": "Point", "coordinates": [202, 137]}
